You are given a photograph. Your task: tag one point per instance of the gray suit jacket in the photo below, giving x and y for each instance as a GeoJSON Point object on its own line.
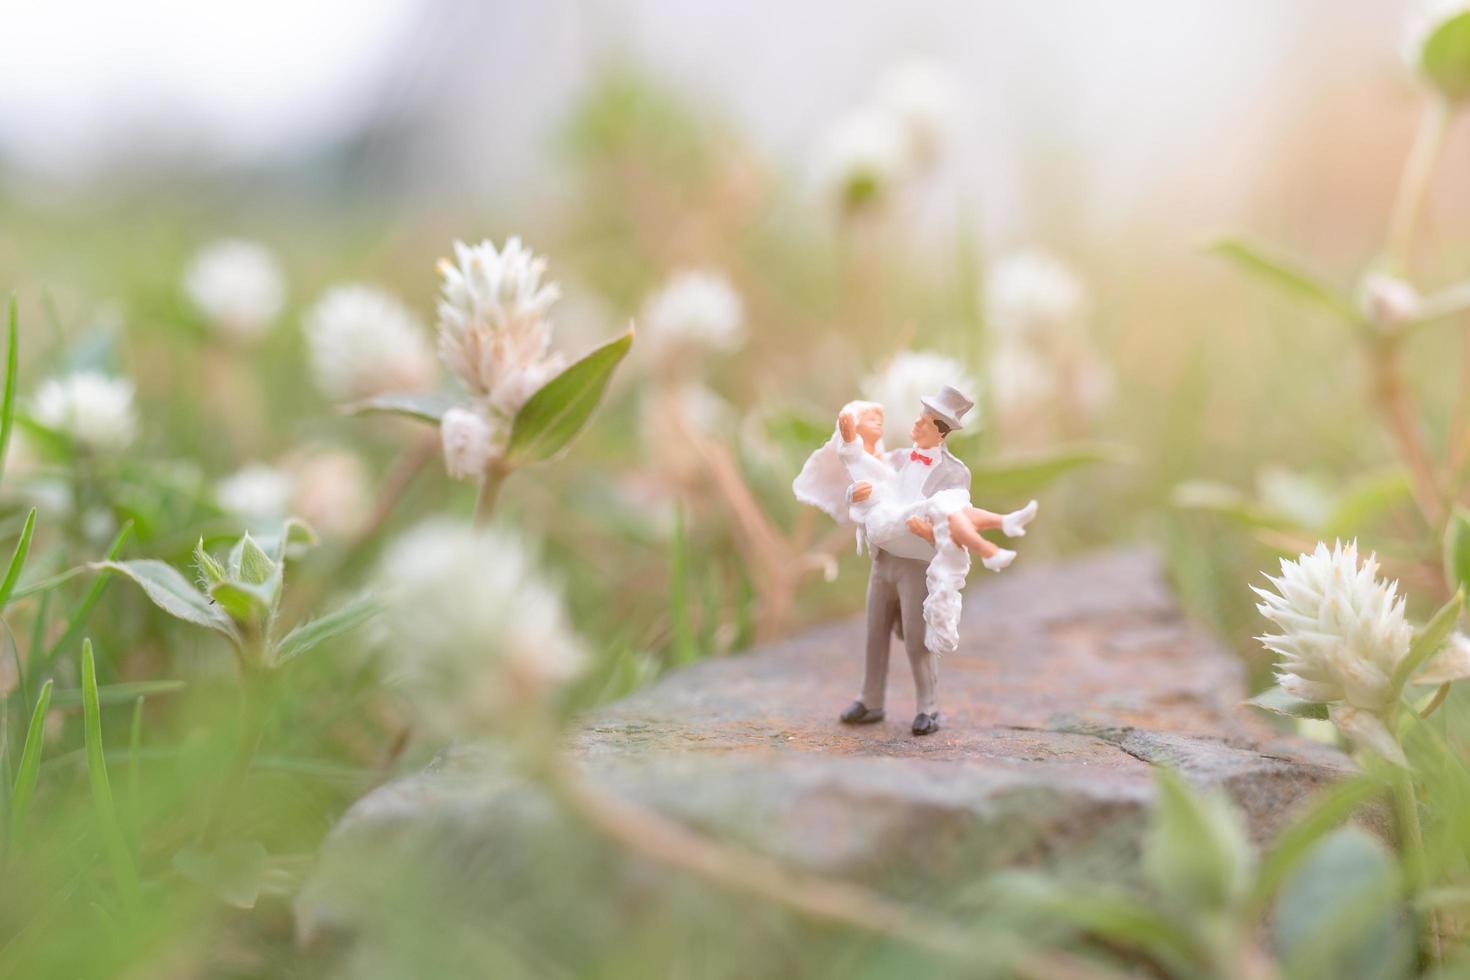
{"type": "Point", "coordinates": [948, 474]}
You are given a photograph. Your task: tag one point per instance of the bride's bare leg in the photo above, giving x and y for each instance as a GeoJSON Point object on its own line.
{"type": "Point", "coordinates": [963, 532]}
{"type": "Point", "coordinates": [984, 520]}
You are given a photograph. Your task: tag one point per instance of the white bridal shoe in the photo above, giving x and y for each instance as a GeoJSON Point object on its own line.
{"type": "Point", "coordinates": [1013, 525]}
{"type": "Point", "coordinates": [999, 560]}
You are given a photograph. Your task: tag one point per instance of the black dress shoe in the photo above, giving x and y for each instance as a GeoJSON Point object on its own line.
{"type": "Point", "coordinates": [858, 713]}
{"type": "Point", "coordinates": [926, 724]}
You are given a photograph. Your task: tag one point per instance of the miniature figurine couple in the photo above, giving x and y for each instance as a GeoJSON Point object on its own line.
{"type": "Point", "coordinates": [913, 514]}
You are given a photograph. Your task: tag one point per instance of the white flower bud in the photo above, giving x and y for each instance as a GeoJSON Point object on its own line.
{"type": "Point", "coordinates": [925, 98]}
{"type": "Point", "coordinates": [365, 342]}
{"type": "Point", "coordinates": [696, 310]}
{"type": "Point", "coordinates": [478, 636]}
{"type": "Point", "coordinates": [469, 443]}
{"type": "Point", "coordinates": [90, 407]}
{"type": "Point", "coordinates": [238, 287]}
{"type": "Point", "coordinates": [1389, 302]}
{"type": "Point", "coordinates": [494, 334]}
{"type": "Point", "coordinates": [1343, 634]}
{"type": "Point", "coordinates": [256, 492]}
{"type": "Point", "coordinates": [912, 375]}
{"type": "Point", "coordinates": [1029, 294]}
{"type": "Point", "coordinates": [858, 159]}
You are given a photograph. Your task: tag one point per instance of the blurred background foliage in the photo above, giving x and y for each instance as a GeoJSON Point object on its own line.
{"type": "Point", "coordinates": [1237, 425]}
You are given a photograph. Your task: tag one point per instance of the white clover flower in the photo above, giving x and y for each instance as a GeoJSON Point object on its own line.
{"type": "Point", "coordinates": [1389, 302]}
{"type": "Point", "coordinates": [1018, 376]}
{"type": "Point", "coordinates": [925, 98]}
{"type": "Point", "coordinates": [1030, 294]}
{"type": "Point", "coordinates": [912, 375]}
{"type": "Point", "coordinates": [1343, 633]}
{"type": "Point", "coordinates": [858, 158]}
{"type": "Point", "coordinates": [93, 409]}
{"type": "Point", "coordinates": [365, 342]}
{"type": "Point", "coordinates": [478, 635]}
{"type": "Point", "coordinates": [256, 492]}
{"type": "Point", "coordinates": [469, 443]}
{"type": "Point", "coordinates": [494, 334]}
{"type": "Point", "coordinates": [695, 310]}
{"type": "Point", "coordinates": [238, 287]}
{"type": "Point", "coordinates": [330, 489]}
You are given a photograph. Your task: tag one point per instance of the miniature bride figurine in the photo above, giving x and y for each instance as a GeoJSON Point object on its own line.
{"type": "Point", "coordinates": [902, 527]}
{"type": "Point", "coordinates": [913, 512]}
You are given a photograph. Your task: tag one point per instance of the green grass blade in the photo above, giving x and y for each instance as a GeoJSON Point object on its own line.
{"type": "Point", "coordinates": [30, 764]}
{"type": "Point", "coordinates": [7, 402]}
{"type": "Point", "coordinates": [22, 682]}
{"type": "Point", "coordinates": [135, 797]}
{"type": "Point", "coordinates": [124, 873]}
{"type": "Point", "coordinates": [1286, 276]}
{"type": "Point", "coordinates": [18, 558]}
{"type": "Point", "coordinates": [122, 693]}
{"type": "Point", "coordinates": [38, 636]}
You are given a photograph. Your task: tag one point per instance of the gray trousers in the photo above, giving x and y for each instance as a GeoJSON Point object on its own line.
{"type": "Point", "coordinates": [896, 591]}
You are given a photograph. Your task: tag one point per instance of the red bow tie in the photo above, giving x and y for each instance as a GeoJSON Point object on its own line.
{"type": "Point", "coordinates": [921, 459]}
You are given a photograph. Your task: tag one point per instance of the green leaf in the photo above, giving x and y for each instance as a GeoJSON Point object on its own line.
{"type": "Point", "coordinates": [1105, 912]}
{"type": "Point", "coordinates": [1287, 276]}
{"type": "Point", "coordinates": [1019, 475]}
{"type": "Point", "coordinates": [172, 593]}
{"type": "Point", "coordinates": [554, 415]}
{"type": "Point", "coordinates": [249, 563]}
{"type": "Point", "coordinates": [1276, 700]}
{"type": "Point", "coordinates": [1196, 852]}
{"type": "Point", "coordinates": [1341, 913]}
{"type": "Point", "coordinates": [1444, 57]}
{"type": "Point", "coordinates": [1457, 549]}
{"type": "Point", "coordinates": [210, 570]}
{"type": "Point", "coordinates": [124, 873]}
{"type": "Point", "coordinates": [1365, 501]}
{"type": "Point", "coordinates": [7, 401]}
{"type": "Point", "coordinates": [48, 583]}
{"type": "Point", "coordinates": [428, 407]}
{"type": "Point", "coordinates": [1226, 501]}
{"type": "Point", "coordinates": [249, 604]}
{"type": "Point", "coordinates": [1327, 812]}
{"type": "Point", "coordinates": [30, 764]}
{"type": "Point", "coordinates": [233, 873]}
{"type": "Point", "coordinates": [17, 559]}
{"type": "Point", "coordinates": [119, 693]}
{"type": "Point", "coordinates": [308, 635]}
{"type": "Point", "coordinates": [1429, 640]}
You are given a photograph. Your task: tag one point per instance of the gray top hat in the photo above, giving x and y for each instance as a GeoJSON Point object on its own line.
{"type": "Point", "coordinates": [949, 406]}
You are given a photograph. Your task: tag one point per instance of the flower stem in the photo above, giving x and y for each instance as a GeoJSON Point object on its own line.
{"type": "Point", "coordinates": [495, 475]}
{"type": "Point", "coordinates": [1411, 840]}
{"type": "Point", "coordinates": [1414, 184]}
{"type": "Point", "coordinates": [652, 835]}
{"type": "Point", "coordinates": [252, 726]}
{"type": "Point", "coordinates": [1397, 407]}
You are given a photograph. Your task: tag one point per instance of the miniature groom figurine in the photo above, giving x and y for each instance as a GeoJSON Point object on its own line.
{"type": "Point", "coordinates": [897, 586]}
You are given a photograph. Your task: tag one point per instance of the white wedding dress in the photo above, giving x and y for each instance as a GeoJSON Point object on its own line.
{"type": "Point", "coordinates": [882, 522]}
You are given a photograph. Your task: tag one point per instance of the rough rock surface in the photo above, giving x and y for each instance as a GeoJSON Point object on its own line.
{"type": "Point", "coordinates": [1071, 683]}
